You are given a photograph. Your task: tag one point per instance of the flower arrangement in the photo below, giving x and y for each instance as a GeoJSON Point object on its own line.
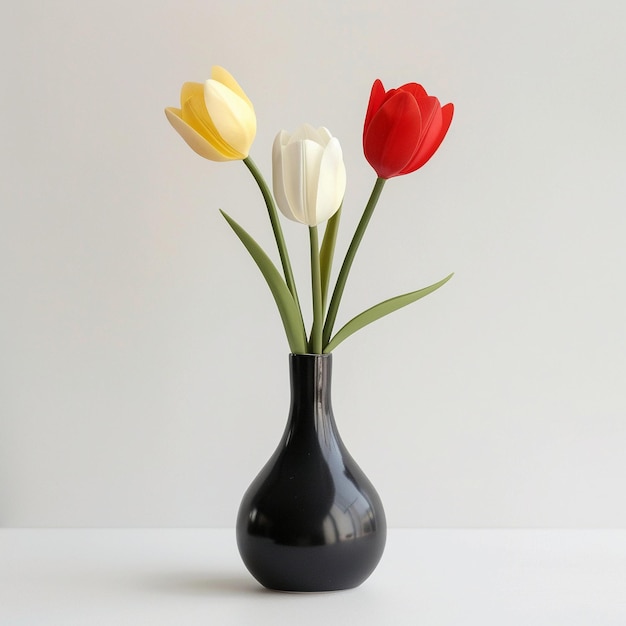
{"type": "Point", "coordinates": [403, 129]}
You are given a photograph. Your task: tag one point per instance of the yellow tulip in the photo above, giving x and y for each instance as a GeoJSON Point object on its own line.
{"type": "Point", "coordinates": [217, 119]}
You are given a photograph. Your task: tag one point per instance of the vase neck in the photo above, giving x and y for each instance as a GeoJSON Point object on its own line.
{"type": "Point", "coordinates": [310, 376]}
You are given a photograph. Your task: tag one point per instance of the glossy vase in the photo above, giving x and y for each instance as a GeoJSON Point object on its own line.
{"type": "Point", "coordinates": [311, 520]}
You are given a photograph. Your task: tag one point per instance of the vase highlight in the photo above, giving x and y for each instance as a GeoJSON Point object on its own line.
{"type": "Point", "coordinates": [311, 520]}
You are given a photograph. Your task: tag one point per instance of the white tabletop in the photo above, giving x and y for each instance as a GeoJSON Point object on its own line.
{"type": "Point", "coordinates": [184, 577]}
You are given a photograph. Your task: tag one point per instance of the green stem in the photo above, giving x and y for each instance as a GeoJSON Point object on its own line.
{"type": "Point", "coordinates": [315, 342]}
{"type": "Point", "coordinates": [276, 227]}
{"type": "Point", "coordinates": [349, 259]}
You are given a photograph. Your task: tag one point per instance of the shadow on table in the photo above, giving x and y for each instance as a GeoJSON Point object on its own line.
{"type": "Point", "coordinates": [203, 584]}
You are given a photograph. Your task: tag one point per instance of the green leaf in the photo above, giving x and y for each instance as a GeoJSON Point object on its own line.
{"type": "Point", "coordinates": [327, 252]}
{"type": "Point", "coordinates": [380, 310]}
{"type": "Point", "coordinates": [289, 312]}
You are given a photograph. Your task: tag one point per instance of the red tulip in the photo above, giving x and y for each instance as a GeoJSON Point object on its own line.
{"type": "Point", "coordinates": [403, 128]}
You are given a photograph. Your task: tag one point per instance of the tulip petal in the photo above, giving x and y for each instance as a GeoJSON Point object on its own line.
{"type": "Point", "coordinates": [196, 115]}
{"type": "Point", "coordinates": [319, 135]}
{"type": "Point", "coordinates": [190, 90]}
{"type": "Point", "coordinates": [431, 143]}
{"type": "Point", "coordinates": [430, 110]}
{"type": "Point", "coordinates": [233, 117]}
{"type": "Point", "coordinates": [304, 132]}
{"type": "Point", "coordinates": [390, 140]}
{"type": "Point", "coordinates": [223, 76]}
{"type": "Point", "coordinates": [323, 136]}
{"type": "Point", "coordinates": [194, 139]}
{"type": "Point", "coordinates": [301, 166]}
{"type": "Point", "coordinates": [415, 89]}
{"type": "Point", "coordinates": [331, 186]}
{"type": "Point", "coordinates": [278, 178]}
{"type": "Point", "coordinates": [377, 97]}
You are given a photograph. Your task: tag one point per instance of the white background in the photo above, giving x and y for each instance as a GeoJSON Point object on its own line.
{"type": "Point", "coordinates": [143, 369]}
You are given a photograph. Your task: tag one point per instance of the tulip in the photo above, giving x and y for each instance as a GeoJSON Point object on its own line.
{"type": "Point", "coordinates": [403, 128]}
{"type": "Point", "coordinates": [217, 119]}
{"type": "Point", "coordinates": [309, 176]}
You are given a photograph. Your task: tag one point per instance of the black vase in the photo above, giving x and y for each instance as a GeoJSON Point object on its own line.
{"type": "Point", "coordinates": [311, 520]}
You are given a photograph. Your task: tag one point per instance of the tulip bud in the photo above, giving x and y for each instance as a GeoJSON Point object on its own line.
{"type": "Point", "coordinates": [403, 128]}
{"type": "Point", "coordinates": [217, 119]}
{"type": "Point", "coordinates": [309, 176]}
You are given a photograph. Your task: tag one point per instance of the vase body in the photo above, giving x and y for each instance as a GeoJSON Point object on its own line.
{"type": "Point", "coordinates": [311, 520]}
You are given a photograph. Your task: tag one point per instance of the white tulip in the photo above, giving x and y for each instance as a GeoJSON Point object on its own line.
{"type": "Point", "coordinates": [309, 176]}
